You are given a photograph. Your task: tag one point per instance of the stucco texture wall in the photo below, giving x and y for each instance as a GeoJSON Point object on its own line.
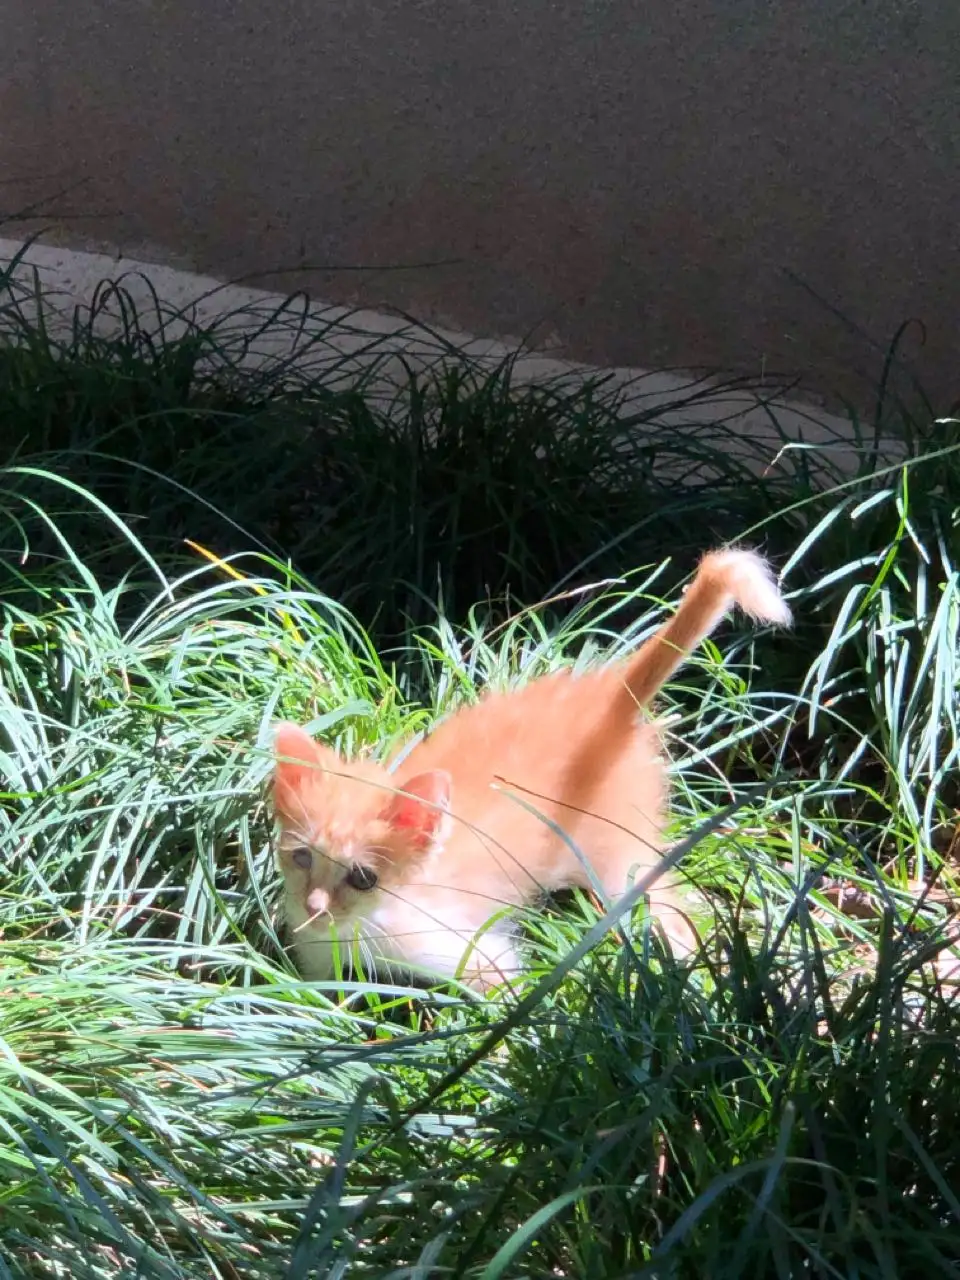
{"type": "Point", "coordinates": [642, 181]}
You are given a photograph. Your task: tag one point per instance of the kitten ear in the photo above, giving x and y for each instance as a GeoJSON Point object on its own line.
{"type": "Point", "coordinates": [298, 758]}
{"type": "Point", "coordinates": [422, 813]}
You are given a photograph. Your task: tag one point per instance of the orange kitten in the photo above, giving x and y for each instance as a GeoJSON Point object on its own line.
{"type": "Point", "coordinates": [412, 865]}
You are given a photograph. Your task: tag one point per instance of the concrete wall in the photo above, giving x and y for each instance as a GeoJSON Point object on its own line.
{"type": "Point", "coordinates": [632, 179]}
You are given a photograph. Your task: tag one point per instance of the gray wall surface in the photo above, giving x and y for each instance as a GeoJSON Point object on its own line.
{"type": "Point", "coordinates": [637, 179]}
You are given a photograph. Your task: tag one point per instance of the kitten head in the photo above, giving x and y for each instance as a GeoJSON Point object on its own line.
{"type": "Point", "coordinates": [349, 833]}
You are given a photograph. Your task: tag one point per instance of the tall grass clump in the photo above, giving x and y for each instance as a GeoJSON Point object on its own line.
{"type": "Point", "coordinates": [176, 1103]}
{"type": "Point", "coordinates": [393, 486]}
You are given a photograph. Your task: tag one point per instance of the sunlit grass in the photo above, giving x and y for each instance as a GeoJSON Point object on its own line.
{"type": "Point", "coordinates": [175, 1099]}
{"type": "Point", "coordinates": [175, 1102]}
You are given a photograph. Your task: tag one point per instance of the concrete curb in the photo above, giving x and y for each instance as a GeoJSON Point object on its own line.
{"type": "Point", "coordinates": [262, 328]}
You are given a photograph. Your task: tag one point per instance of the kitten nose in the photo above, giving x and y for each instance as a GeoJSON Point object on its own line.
{"type": "Point", "coordinates": [318, 900]}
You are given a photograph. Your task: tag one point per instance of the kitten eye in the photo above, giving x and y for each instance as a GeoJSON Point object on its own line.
{"type": "Point", "coordinates": [303, 857]}
{"type": "Point", "coordinates": [361, 878]}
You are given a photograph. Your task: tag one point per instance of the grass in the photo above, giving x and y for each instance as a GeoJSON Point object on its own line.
{"type": "Point", "coordinates": [175, 1103]}
{"type": "Point", "coordinates": [449, 479]}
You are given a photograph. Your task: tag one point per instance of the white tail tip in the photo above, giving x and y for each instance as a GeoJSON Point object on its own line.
{"type": "Point", "coordinates": [751, 584]}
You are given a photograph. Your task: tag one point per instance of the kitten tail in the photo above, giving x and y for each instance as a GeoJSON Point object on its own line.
{"type": "Point", "coordinates": [724, 579]}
